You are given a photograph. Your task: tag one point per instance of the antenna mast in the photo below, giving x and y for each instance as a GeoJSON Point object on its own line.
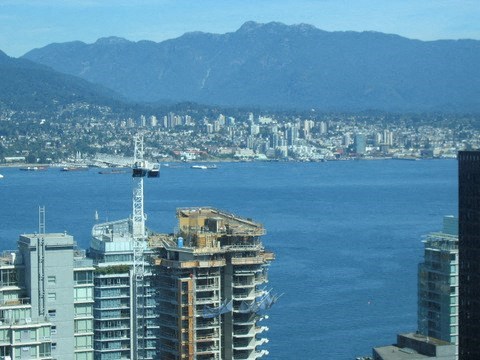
{"type": "Point", "coordinates": [41, 220]}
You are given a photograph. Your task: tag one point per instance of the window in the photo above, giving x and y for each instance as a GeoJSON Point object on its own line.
{"type": "Point", "coordinates": [82, 326]}
{"type": "Point", "coordinates": [44, 350]}
{"type": "Point", "coordinates": [83, 342]}
{"type": "Point", "coordinates": [83, 294]}
{"type": "Point", "coordinates": [52, 296]}
{"type": "Point", "coordinates": [84, 356]}
{"type": "Point", "coordinates": [52, 280]}
{"type": "Point", "coordinates": [83, 277]}
{"type": "Point", "coordinates": [4, 335]}
{"type": "Point", "coordinates": [54, 330]}
{"type": "Point", "coordinates": [44, 333]}
{"type": "Point", "coordinates": [52, 314]}
{"type": "Point", "coordinates": [82, 310]}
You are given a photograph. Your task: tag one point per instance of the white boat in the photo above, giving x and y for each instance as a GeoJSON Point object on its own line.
{"type": "Point", "coordinates": [204, 167]}
{"type": "Point", "coordinates": [1, 176]}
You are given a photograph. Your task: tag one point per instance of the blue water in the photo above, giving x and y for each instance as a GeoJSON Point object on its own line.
{"type": "Point", "coordinates": [347, 235]}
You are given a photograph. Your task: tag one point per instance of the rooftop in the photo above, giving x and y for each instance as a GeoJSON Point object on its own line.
{"type": "Point", "coordinates": [412, 346]}
{"type": "Point", "coordinates": [210, 220]}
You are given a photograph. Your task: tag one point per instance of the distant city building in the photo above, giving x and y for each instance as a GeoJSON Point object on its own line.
{"type": "Point", "coordinates": [143, 121]}
{"type": "Point", "coordinates": [230, 121]}
{"type": "Point", "coordinates": [254, 129]}
{"type": "Point", "coordinates": [438, 284]}
{"type": "Point", "coordinates": [469, 254]}
{"type": "Point", "coordinates": [360, 144]}
{"type": "Point", "coordinates": [153, 121]}
{"type": "Point", "coordinates": [221, 119]}
{"type": "Point", "coordinates": [323, 128]}
{"type": "Point", "coordinates": [387, 137]}
{"type": "Point", "coordinates": [292, 135]}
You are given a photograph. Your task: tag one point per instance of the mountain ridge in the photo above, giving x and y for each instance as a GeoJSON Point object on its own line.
{"type": "Point", "coordinates": [284, 66]}
{"type": "Point", "coordinates": [28, 86]}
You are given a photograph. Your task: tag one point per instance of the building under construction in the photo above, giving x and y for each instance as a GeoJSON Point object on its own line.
{"type": "Point", "coordinates": [211, 287]}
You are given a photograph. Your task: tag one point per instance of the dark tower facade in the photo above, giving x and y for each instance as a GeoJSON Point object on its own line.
{"type": "Point", "coordinates": [469, 254]}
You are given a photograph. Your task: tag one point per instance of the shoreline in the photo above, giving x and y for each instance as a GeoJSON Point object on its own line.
{"type": "Point", "coordinates": [176, 162]}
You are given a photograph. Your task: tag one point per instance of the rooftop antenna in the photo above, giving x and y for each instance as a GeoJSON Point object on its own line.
{"type": "Point", "coordinates": [41, 220]}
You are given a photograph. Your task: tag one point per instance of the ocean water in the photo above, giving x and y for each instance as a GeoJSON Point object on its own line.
{"type": "Point", "coordinates": [347, 235]}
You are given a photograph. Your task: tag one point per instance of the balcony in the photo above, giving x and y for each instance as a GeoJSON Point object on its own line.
{"type": "Point", "coordinates": [247, 260]}
{"type": "Point", "coordinates": [261, 329]}
{"type": "Point", "coordinates": [261, 342]}
{"type": "Point", "coordinates": [244, 284]}
{"type": "Point", "coordinates": [244, 345]}
{"type": "Point", "coordinates": [15, 302]}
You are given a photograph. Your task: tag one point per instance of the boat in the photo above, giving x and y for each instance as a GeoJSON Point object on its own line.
{"type": "Point", "coordinates": [74, 168]}
{"type": "Point", "coordinates": [204, 167]}
{"type": "Point", "coordinates": [34, 168]}
{"type": "Point", "coordinates": [154, 171]}
{"type": "Point", "coordinates": [1, 176]}
{"type": "Point", "coordinates": [112, 172]}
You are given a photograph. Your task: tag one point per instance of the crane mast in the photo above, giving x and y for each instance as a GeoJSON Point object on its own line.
{"type": "Point", "coordinates": [141, 168]}
{"type": "Point", "coordinates": [138, 216]}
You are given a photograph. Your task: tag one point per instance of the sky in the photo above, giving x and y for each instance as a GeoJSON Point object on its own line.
{"type": "Point", "coordinates": [29, 24]}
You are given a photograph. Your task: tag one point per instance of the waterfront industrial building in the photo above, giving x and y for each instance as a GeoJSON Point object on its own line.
{"type": "Point", "coordinates": [438, 284]}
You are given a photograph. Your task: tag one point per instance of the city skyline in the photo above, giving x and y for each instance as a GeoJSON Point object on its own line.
{"type": "Point", "coordinates": [28, 24]}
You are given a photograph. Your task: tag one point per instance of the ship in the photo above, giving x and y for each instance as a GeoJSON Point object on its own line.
{"type": "Point", "coordinates": [34, 168]}
{"type": "Point", "coordinates": [74, 168]}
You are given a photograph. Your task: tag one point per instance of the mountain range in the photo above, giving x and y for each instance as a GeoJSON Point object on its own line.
{"type": "Point", "coordinates": [280, 66]}
{"type": "Point", "coordinates": [26, 85]}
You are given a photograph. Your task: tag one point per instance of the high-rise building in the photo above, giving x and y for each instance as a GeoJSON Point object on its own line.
{"type": "Point", "coordinates": [211, 287]}
{"type": "Point", "coordinates": [360, 144]}
{"type": "Point", "coordinates": [46, 298]}
{"type": "Point", "coordinates": [117, 318]}
{"type": "Point", "coordinates": [438, 284]}
{"type": "Point", "coordinates": [469, 254]}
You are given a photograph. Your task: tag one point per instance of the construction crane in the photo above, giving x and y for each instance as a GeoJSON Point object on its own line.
{"type": "Point", "coordinates": [141, 168]}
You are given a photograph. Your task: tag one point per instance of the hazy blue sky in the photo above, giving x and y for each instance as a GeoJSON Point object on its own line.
{"type": "Point", "coordinates": [28, 24]}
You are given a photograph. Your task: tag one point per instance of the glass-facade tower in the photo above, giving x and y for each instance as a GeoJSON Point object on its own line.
{"type": "Point", "coordinates": [469, 254]}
